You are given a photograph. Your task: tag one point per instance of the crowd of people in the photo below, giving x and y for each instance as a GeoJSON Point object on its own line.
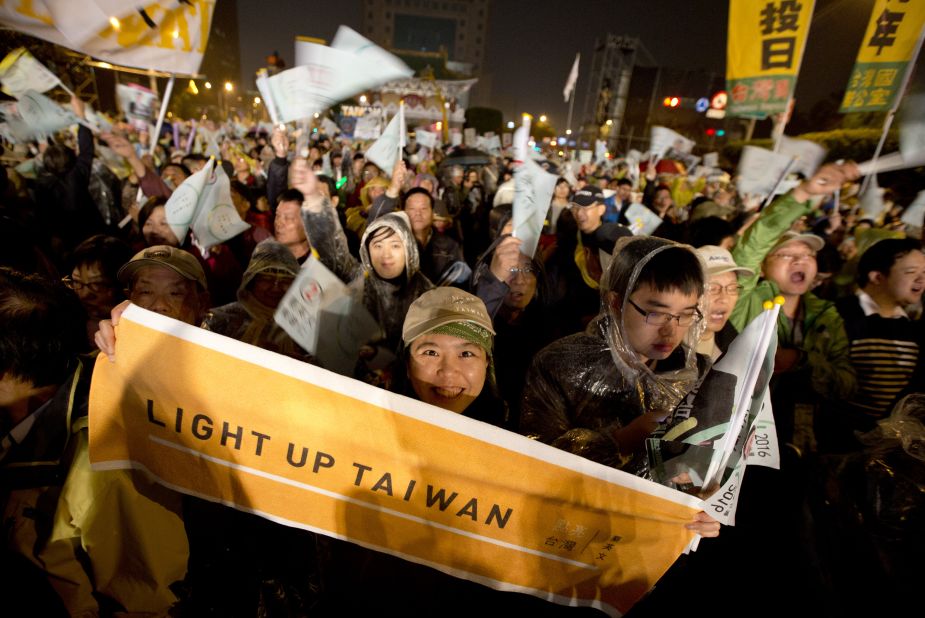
{"type": "Point", "coordinates": [588, 346]}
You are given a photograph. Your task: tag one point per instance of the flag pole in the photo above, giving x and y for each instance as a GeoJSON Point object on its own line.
{"type": "Point", "coordinates": [888, 121]}
{"type": "Point", "coordinates": [163, 113]}
{"type": "Point", "coordinates": [571, 106]}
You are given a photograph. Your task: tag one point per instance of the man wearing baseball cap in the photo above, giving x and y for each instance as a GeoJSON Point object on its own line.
{"type": "Point", "coordinates": [722, 292]}
{"type": "Point", "coordinates": [812, 366]}
{"type": "Point", "coordinates": [580, 278]}
{"type": "Point", "coordinates": [167, 280]}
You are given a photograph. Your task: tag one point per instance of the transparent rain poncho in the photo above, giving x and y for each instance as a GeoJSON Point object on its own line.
{"type": "Point", "coordinates": [872, 502]}
{"type": "Point", "coordinates": [585, 387]}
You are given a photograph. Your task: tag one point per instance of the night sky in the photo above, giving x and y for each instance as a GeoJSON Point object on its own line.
{"type": "Point", "coordinates": [532, 44]}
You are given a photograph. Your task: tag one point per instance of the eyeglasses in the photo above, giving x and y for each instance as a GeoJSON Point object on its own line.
{"type": "Point", "coordinates": [794, 257]}
{"type": "Point", "coordinates": [524, 271]}
{"type": "Point", "coordinates": [715, 289]}
{"type": "Point", "coordinates": [96, 287]}
{"type": "Point", "coordinates": [660, 318]}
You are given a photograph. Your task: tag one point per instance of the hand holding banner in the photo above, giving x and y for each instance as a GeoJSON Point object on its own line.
{"type": "Point", "coordinates": [326, 453]}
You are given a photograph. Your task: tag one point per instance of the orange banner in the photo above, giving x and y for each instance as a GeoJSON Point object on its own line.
{"type": "Point", "coordinates": [219, 419]}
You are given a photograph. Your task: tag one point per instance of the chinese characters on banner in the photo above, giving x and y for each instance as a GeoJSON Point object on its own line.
{"type": "Point", "coordinates": [893, 33]}
{"type": "Point", "coordinates": [766, 42]}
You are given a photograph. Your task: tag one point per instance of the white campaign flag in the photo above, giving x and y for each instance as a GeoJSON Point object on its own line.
{"type": "Point", "coordinates": [292, 95]}
{"type": "Point", "coordinates": [203, 202]}
{"type": "Point", "coordinates": [13, 128]}
{"type": "Point", "coordinates": [807, 155]}
{"type": "Point", "coordinates": [521, 141]}
{"type": "Point", "coordinates": [533, 189]}
{"type": "Point", "coordinates": [912, 127]}
{"type": "Point", "coordinates": [386, 150]}
{"type": "Point", "coordinates": [160, 35]}
{"type": "Point", "coordinates": [269, 101]}
{"type": "Point", "coordinates": [41, 116]}
{"type": "Point", "coordinates": [493, 145]}
{"type": "Point", "coordinates": [600, 150]}
{"type": "Point", "coordinates": [350, 65]}
{"type": "Point", "coordinates": [760, 170]}
{"type": "Point", "coordinates": [664, 139]}
{"type": "Point", "coordinates": [642, 220]}
{"type": "Point", "coordinates": [321, 314]}
{"type": "Point", "coordinates": [915, 212]}
{"type": "Point", "coordinates": [427, 139]}
{"type": "Point", "coordinates": [871, 201]}
{"type": "Point", "coordinates": [572, 80]}
{"type": "Point", "coordinates": [20, 71]}
{"type": "Point", "coordinates": [724, 424]}
{"type": "Point", "coordinates": [183, 203]}
{"type": "Point", "coordinates": [329, 127]}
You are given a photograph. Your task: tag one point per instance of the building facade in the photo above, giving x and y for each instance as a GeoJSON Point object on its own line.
{"type": "Point", "coordinates": [459, 28]}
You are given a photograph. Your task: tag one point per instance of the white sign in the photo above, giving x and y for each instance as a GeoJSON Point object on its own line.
{"type": "Point", "coordinates": [367, 127]}
{"type": "Point", "coordinates": [533, 189]}
{"type": "Point", "coordinates": [642, 221]}
{"type": "Point", "coordinates": [664, 139]}
{"type": "Point", "coordinates": [760, 170]}
{"type": "Point", "coordinates": [138, 103]}
{"type": "Point", "coordinates": [20, 72]}
{"type": "Point", "coordinates": [807, 155]}
{"type": "Point", "coordinates": [320, 314]}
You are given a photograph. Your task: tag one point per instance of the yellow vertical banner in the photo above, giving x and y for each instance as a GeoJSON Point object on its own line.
{"type": "Point", "coordinates": [893, 35]}
{"type": "Point", "coordinates": [231, 423]}
{"type": "Point", "coordinates": [765, 49]}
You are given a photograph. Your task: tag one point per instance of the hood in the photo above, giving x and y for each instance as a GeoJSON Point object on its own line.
{"type": "Point", "coordinates": [397, 221]}
{"type": "Point", "coordinates": [378, 181]}
{"type": "Point", "coordinates": [268, 255]}
{"type": "Point", "coordinates": [664, 388]}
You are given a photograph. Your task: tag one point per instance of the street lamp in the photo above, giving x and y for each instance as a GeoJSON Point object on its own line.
{"type": "Point", "coordinates": [256, 100]}
{"type": "Point", "coordinates": [208, 85]}
{"type": "Point", "coordinates": [229, 86]}
{"type": "Point", "coordinates": [363, 99]}
{"type": "Point", "coordinates": [568, 131]}
{"type": "Point", "coordinates": [510, 124]}
{"type": "Point", "coordinates": [543, 118]}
